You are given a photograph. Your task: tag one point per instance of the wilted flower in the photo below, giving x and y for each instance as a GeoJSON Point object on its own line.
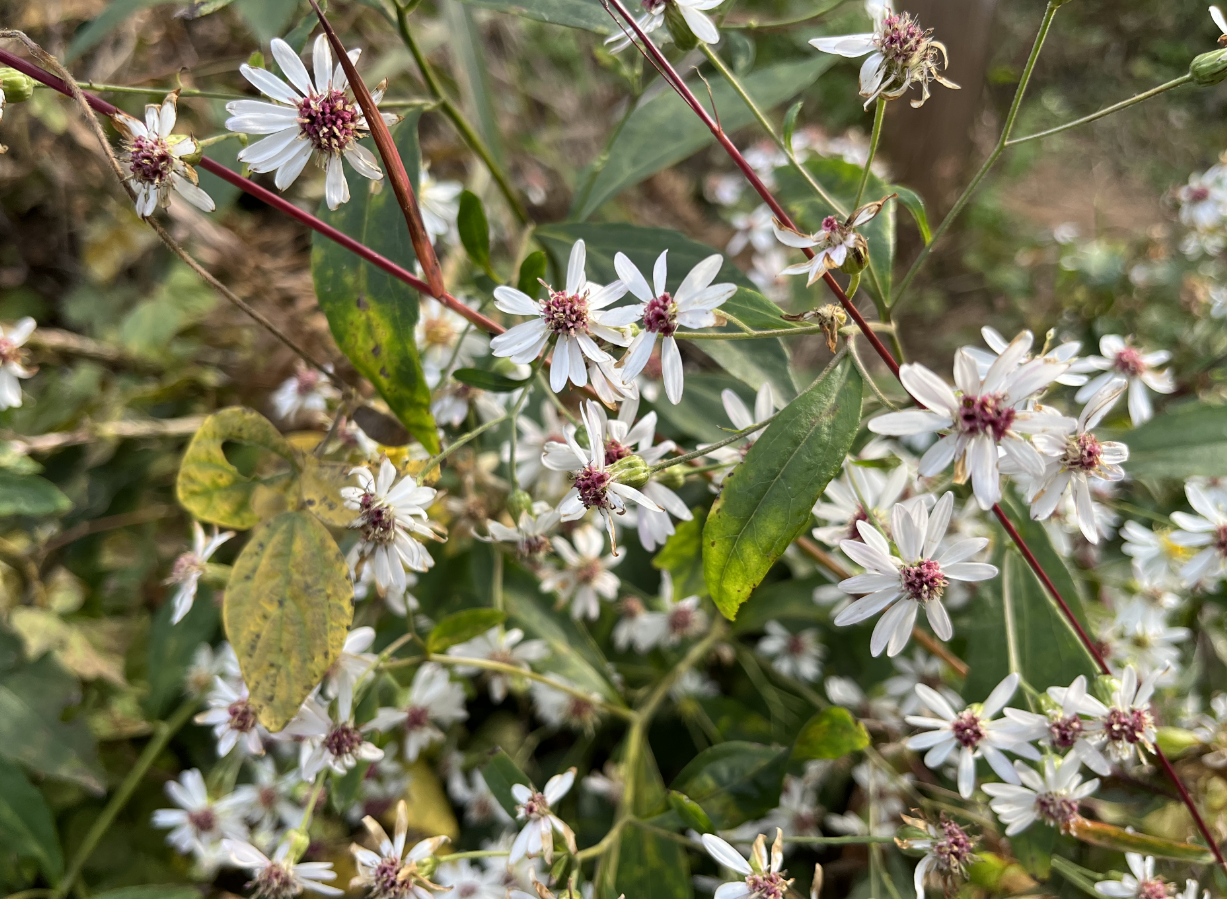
{"type": "Point", "coordinates": [154, 158]}
{"type": "Point", "coordinates": [190, 566]}
{"type": "Point", "coordinates": [540, 823]}
{"type": "Point", "coordinates": [949, 851]}
{"type": "Point", "coordinates": [831, 243]}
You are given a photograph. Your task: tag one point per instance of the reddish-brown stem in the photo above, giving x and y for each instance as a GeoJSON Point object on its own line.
{"type": "Point", "coordinates": [662, 64]}
{"type": "Point", "coordinates": [277, 202]}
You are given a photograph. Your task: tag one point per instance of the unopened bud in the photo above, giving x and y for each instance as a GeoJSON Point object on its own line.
{"type": "Point", "coordinates": [518, 503]}
{"type": "Point", "coordinates": [428, 866]}
{"type": "Point", "coordinates": [680, 31]}
{"type": "Point", "coordinates": [672, 477]}
{"type": "Point", "coordinates": [631, 471]}
{"type": "Point", "coordinates": [15, 87]}
{"type": "Point", "coordinates": [1209, 68]}
{"type": "Point", "coordinates": [857, 258]}
{"type": "Point", "coordinates": [1049, 706]}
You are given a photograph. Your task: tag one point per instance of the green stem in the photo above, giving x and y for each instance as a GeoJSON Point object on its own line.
{"type": "Point", "coordinates": [879, 115]}
{"type": "Point", "coordinates": [678, 460]}
{"type": "Point", "coordinates": [467, 132]}
{"type": "Point", "coordinates": [435, 460]}
{"type": "Point", "coordinates": [1123, 104]}
{"type": "Point", "coordinates": [747, 335]}
{"type": "Point", "coordinates": [553, 398]}
{"type": "Point", "coordinates": [474, 853]}
{"type": "Point", "coordinates": [867, 378]}
{"type": "Point", "coordinates": [696, 654]}
{"type": "Point", "coordinates": [162, 733]}
{"type": "Point", "coordinates": [965, 196]}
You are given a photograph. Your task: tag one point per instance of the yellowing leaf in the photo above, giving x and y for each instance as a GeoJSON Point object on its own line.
{"type": "Point", "coordinates": [286, 612]}
{"type": "Point", "coordinates": [44, 631]}
{"type": "Point", "coordinates": [214, 490]}
{"type": "Point", "coordinates": [320, 490]}
{"type": "Point", "coordinates": [1109, 836]}
{"type": "Point", "coordinates": [430, 814]}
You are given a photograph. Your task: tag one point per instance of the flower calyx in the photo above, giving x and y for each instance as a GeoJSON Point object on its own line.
{"type": "Point", "coordinates": [631, 470]}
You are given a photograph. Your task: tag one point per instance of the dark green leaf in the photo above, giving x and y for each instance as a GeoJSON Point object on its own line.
{"type": "Point", "coordinates": [1077, 875]}
{"type": "Point", "coordinates": [663, 130]}
{"type": "Point", "coordinates": [915, 204]}
{"type": "Point", "coordinates": [751, 361]}
{"type": "Point", "coordinates": [690, 812]}
{"type": "Point", "coordinates": [501, 774]}
{"type": "Point", "coordinates": [682, 556]}
{"type": "Point", "coordinates": [28, 494]}
{"type": "Point", "coordinates": [766, 500]}
{"type": "Point", "coordinates": [373, 315]}
{"type": "Point", "coordinates": [586, 14]}
{"type": "Point", "coordinates": [734, 782]}
{"type": "Point", "coordinates": [733, 720]}
{"type": "Point", "coordinates": [647, 865]}
{"type": "Point", "coordinates": [487, 380]}
{"type": "Point", "coordinates": [790, 121]}
{"type": "Point", "coordinates": [831, 734]}
{"type": "Point", "coordinates": [26, 826]}
{"type": "Point", "coordinates": [152, 891]}
{"type": "Point", "coordinates": [701, 414]}
{"type": "Point", "coordinates": [461, 626]}
{"type": "Point", "coordinates": [1033, 849]}
{"type": "Point", "coordinates": [172, 646]}
{"type": "Point", "coordinates": [1189, 440]}
{"type": "Point", "coordinates": [474, 230]}
{"type": "Point", "coordinates": [532, 270]}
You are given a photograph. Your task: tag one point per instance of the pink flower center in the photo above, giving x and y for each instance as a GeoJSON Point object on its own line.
{"type": "Point", "coordinates": [592, 484]}
{"type": "Point", "coordinates": [150, 160]}
{"type": "Point", "coordinates": [9, 351]}
{"type": "Point", "coordinates": [267, 797]}
{"type": "Point", "coordinates": [660, 315]}
{"type": "Point", "coordinates": [385, 880]}
{"type": "Point", "coordinates": [954, 847]}
{"type": "Point", "coordinates": [589, 571]}
{"type": "Point", "coordinates": [830, 223]}
{"type": "Point", "coordinates": [329, 121]}
{"type": "Point", "coordinates": [615, 451]}
{"type": "Point", "coordinates": [274, 882]}
{"type": "Point", "coordinates": [1083, 452]}
{"type": "Point", "coordinates": [416, 716]}
{"type": "Point", "coordinates": [203, 820]}
{"type": "Point", "coordinates": [989, 414]}
{"type": "Point", "coordinates": [377, 523]}
{"type": "Point", "coordinates": [924, 580]}
{"type": "Point", "coordinates": [900, 38]}
{"type": "Point", "coordinates": [632, 607]}
{"type": "Point", "coordinates": [968, 729]}
{"type": "Point", "coordinates": [1129, 362]}
{"type": "Point", "coordinates": [795, 645]}
{"type": "Point", "coordinates": [681, 620]}
{"type": "Point", "coordinates": [653, 6]}
{"type": "Point", "coordinates": [1057, 809]}
{"type": "Point", "coordinates": [1065, 732]}
{"type": "Point", "coordinates": [767, 886]}
{"type": "Point", "coordinates": [1152, 889]}
{"type": "Point", "coordinates": [566, 313]}
{"type": "Point", "coordinates": [1126, 725]}
{"type": "Point", "coordinates": [1198, 194]}
{"type": "Point", "coordinates": [343, 740]}
{"type": "Point", "coordinates": [306, 380]}
{"type": "Point", "coordinates": [536, 806]}
{"type": "Point", "coordinates": [242, 716]}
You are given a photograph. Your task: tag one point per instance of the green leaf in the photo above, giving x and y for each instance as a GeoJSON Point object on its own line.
{"type": "Point", "coordinates": [701, 413]}
{"type": "Point", "coordinates": [152, 891]}
{"type": "Point", "coordinates": [203, 8]}
{"type": "Point", "coordinates": [32, 698]}
{"type": "Point", "coordinates": [501, 774]}
{"type": "Point", "coordinates": [831, 734]}
{"type": "Point", "coordinates": [214, 490]}
{"type": "Point", "coordinates": [790, 121]}
{"type": "Point", "coordinates": [915, 204]}
{"type": "Point", "coordinates": [487, 380]}
{"type": "Point", "coordinates": [172, 646]}
{"type": "Point", "coordinates": [682, 556]}
{"type": "Point", "coordinates": [750, 361]}
{"type": "Point", "coordinates": [766, 500]}
{"type": "Point", "coordinates": [26, 826]}
{"type": "Point", "coordinates": [373, 315]}
{"type": "Point", "coordinates": [663, 130]}
{"type": "Point", "coordinates": [461, 626]}
{"type": "Point", "coordinates": [28, 494]}
{"type": "Point", "coordinates": [586, 14]}
{"type": "Point", "coordinates": [734, 782]}
{"type": "Point", "coordinates": [475, 230]}
{"type": "Point", "coordinates": [532, 270]}
{"type": "Point", "coordinates": [1187, 441]}
{"type": "Point", "coordinates": [647, 865]}
{"type": "Point", "coordinates": [690, 812]}
{"type": "Point", "coordinates": [1109, 836]}
{"type": "Point", "coordinates": [1033, 848]}
{"type": "Point", "coordinates": [287, 611]}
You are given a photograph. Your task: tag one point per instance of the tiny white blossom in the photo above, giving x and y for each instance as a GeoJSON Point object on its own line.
{"type": "Point", "coordinates": [536, 838]}
{"type": "Point", "coordinates": [439, 203]}
{"type": "Point", "coordinates": [498, 645]}
{"type": "Point", "coordinates": [233, 719]}
{"type": "Point", "coordinates": [190, 566]}
{"type": "Point", "coordinates": [446, 341]}
{"type": "Point", "coordinates": [154, 158]}
{"type": "Point", "coordinates": [391, 872]}
{"type": "Point", "coordinates": [831, 243]}
{"type": "Point", "coordinates": [559, 708]}
{"type": "Point", "coordinates": [392, 516]}
{"type": "Point", "coordinates": [466, 880]}
{"type": "Point", "coordinates": [754, 229]}
{"type": "Point", "coordinates": [586, 579]}
{"type": "Point", "coordinates": [798, 655]}
{"type": "Point", "coordinates": [12, 361]}
{"type": "Point", "coordinates": [305, 391]}
{"type": "Point", "coordinates": [1064, 729]}
{"type": "Point", "coordinates": [328, 742]}
{"type": "Point", "coordinates": [920, 668]}
{"type": "Point", "coordinates": [199, 824]}
{"type": "Point", "coordinates": [268, 801]}
{"type": "Point", "coordinates": [530, 536]}
{"type": "Point", "coordinates": [1051, 796]}
{"type": "Point", "coordinates": [1139, 883]}
{"type": "Point", "coordinates": [280, 877]}
{"type": "Point", "coordinates": [1155, 555]}
{"type": "Point", "coordinates": [1205, 533]}
{"type": "Point", "coordinates": [761, 876]}
{"type": "Point", "coordinates": [1120, 359]}
{"type": "Point", "coordinates": [434, 702]}
{"type": "Point", "coordinates": [841, 507]}
{"type": "Point", "coordinates": [1139, 635]}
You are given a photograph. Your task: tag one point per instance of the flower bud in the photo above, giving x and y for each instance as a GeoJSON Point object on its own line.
{"type": "Point", "coordinates": [14, 86]}
{"type": "Point", "coordinates": [427, 866]}
{"type": "Point", "coordinates": [1104, 687]}
{"type": "Point", "coordinates": [857, 258]}
{"type": "Point", "coordinates": [631, 471]}
{"type": "Point", "coordinates": [518, 503]}
{"type": "Point", "coordinates": [672, 477]}
{"type": "Point", "coordinates": [680, 31]}
{"type": "Point", "coordinates": [1209, 68]}
{"type": "Point", "coordinates": [299, 842]}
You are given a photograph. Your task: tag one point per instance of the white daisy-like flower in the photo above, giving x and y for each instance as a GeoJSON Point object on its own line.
{"type": "Point", "coordinates": [304, 392]}
{"type": "Point", "coordinates": [391, 517]}
{"type": "Point", "coordinates": [317, 118]}
{"type": "Point", "coordinates": [594, 486]}
{"type": "Point", "coordinates": [154, 158]}
{"type": "Point", "coordinates": [1204, 533]}
{"type": "Point", "coordinates": [354, 664]}
{"type": "Point", "coordinates": [1190, 891]}
{"type": "Point", "coordinates": [391, 872]}
{"type": "Point", "coordinates": [530, 536]}
{"type": "Point", "coordinates": [692, 306]}
{"type": "Point", "coordinates": [645, 629]}
{"type": "Point", "coordinates": [974, 732]}
{"type": "Point", "coordinates": [915, 578]}
{"type": "Point", "coordinates": [280, 877]}
{"type": "Point", "coordinates": [987, 414]}
{"type": "Point", "coordinates": [328, 742]}
{"type": "Point", "coordinates": [841, 506]}
{"type": "Point", "coordinates": [1139, 883]}
{"type": "Point", "coordinates": [199, 824]}
{"type": "Point", "coordinates": [586, 579]}
{"type": "Point", "coordinates": [1139, 635]}
{"type": "Point", "coordinates": [464, 879]}
{"type": "Point", "coordinates": [1202, 201]}
{"type": "Point", "coordinates": [190, 566]}
{"type": "Point", "coordinates": [1051, 796]}
{"type": "Point", "coordinates": [440, 204]}
{"type": "Point", "coordinates": [1073, 459]}
{"type": "Point", "coordinates": [268, 801]}
{"type": "Point", "coordinates": [754, 229]}
{"type": "Point", "coordinates": [1061, 354]}
{"type": "Point", "coordinates": [798, 655]}
{"type": "Point", "coordinates": [1127, 725]}
{"type": "Point", "coordinates": [480, 806]}
{"type": "Point", "coordinates": [233, 719]}
{"type": "Point", "coordinates": [831, 243]}
{"type": "Point", "coordinates": [1063, 728]}
{"type": "Point", "coordinates": [208, 665]}
{"type": "Point", "coordinates": [536, 838]}
{"type": "Point", "coordinates": [574, 316]}
{"type": "Point", "coordinates": [559, 708]}
{"type": "Point", "coordinates": [451, 404]}
{"type": "Point", "coordinates": [949, 852]}
{"type": "Point", "coordinates": [435, 702]}
{"type": "Point", "coordinates": [446, 341]}
{"type": "Point", "coordinates": [12, 361]}
{"type": "Point", "coordinates": [765, 405]}
{"type": "Point", "coordinates": [498, 645]}
{"type": "Point", "coordinates": [1155, 556]}
{"type": "Point", "coordinates": [901, 54]}
{"type": "Point", "coordinates": [1121, 359]}
{"type": "Point", "coordinates": [761, 876]}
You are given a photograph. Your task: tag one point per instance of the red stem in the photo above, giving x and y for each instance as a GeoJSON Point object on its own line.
{"type": "Point", "coordinates": [662, 64]}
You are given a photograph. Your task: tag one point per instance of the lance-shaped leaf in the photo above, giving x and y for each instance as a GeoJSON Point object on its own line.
{"type": "Point", "coordinates": [27, 829]}
{"type": "Point", "coordinates": [1188, 441]}
{"type": "Point", "coordinates": [766, 500]}
{"type": "Point", "coordinates": [734, 782]}
{"type": "Point", "coordinates": [501, 774]}
{"type": "Point", "coordinates": [214, 490]}
{"type": "Point", "coordinates": [287, 611]}
{"type": "Point", "coordinates": [1109, 836]}
{"type": "Point", "coordinates": [28, 494]}
{"type": "Point", "coordinates": [372, 315]}
{"type": "Point", "coordinates": [831, 734]}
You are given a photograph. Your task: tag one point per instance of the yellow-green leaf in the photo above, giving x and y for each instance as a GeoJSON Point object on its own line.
{"type": "Point", "coordinates": [831, 734]}
{"type": "Point", "coordinates": [1109, 836]}
{"type": "Point", "coordinates": [214, 490]}
{"type": "Point", "coordinates": [320, 490]}
{"type": "Point", "coordinates": [286, 611]}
